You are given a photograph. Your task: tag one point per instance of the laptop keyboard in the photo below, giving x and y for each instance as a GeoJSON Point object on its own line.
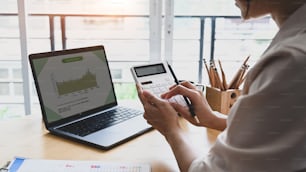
{"type": "Point", "coordinates": [100, 121]}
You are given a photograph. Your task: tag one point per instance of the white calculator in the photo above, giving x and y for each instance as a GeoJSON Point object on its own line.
{"type": "Point", "coordinates": [157, 78]}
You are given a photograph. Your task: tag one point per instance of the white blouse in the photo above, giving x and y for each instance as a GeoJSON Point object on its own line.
{"type": "Point", "coordinates": [266, 127]}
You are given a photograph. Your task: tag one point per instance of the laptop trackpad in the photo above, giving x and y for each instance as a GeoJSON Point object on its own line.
{"type": "Point", "coordinates": [119, 132]}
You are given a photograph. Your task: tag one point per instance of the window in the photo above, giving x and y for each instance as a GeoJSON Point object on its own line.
{"type": "Point", "coordinates": [4, 89]}
{"type": "Point", "coordinates": [225, 36]}
{"type": "Point", "coordinates": [121, 26]}
{"type": "Point", "coordinates": [124, 27]}
{"type": "Point", "coordinates": [4, 73]}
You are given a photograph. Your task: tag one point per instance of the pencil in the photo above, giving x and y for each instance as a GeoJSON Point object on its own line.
{"type": "Point", "coordinates": [211, 73]}
{"type": "Point", "coordinates": [233, 83]}
{"type": "Point", "coordinates": [242, 77]}
{"type": "Point", "coordinates": [218, 81]}
{"type": "Point", "coordinates": [244, 66]}
{"type": "Point", "coordinates": [246, 60]}
{"type": "Point", "coordinates": [224, 83]}
{"type": "Point", "coordinates": [241, 81]}
{"type": "Point", "coordinates": [239, 74]}
{"type": "Point", "coordinates": [207, 70]}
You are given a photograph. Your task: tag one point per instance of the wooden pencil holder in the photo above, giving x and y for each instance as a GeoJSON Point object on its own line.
{"type": "Point", "coordinates": [221, 101]}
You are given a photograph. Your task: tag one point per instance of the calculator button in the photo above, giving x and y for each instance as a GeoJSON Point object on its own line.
{"type": "Point", "coordinates": [163, 89]}
{"type": "Point", "coordinates": [156, 90]}
{"type": "Point", "coordinates": [146, 87]}
{"type": "Point", "coordinates": [153, 86]}
{"type": "Point", "coordinates": [164, 85]}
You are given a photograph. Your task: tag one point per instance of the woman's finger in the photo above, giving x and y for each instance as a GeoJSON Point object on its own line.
{"type": "Point", "coordinates": [184, 112]}
{"type": "Point", "coordinates": [152, 99]}
{"type": "Point", "coordinates": [146, 104]}
{"type": "Point", "coordinates": [139, 92]}
{"type": "Point", "coordinates": [181, 90]}
{"type": "Point", "coordinates": [188, 85]}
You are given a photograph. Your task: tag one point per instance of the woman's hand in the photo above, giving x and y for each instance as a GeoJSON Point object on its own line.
{"type": "Point", "coordinates": [159, 113]}
{"type": "Point", "coordinates": [163, 117]}
{"type": "Point", "coordinates": [200, 106]}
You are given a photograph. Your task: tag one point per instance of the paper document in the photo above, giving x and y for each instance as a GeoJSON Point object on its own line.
{"type": "Point", "coordinates": [39, 165]}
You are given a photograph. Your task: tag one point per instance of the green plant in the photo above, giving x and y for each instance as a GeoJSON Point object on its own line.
{"type": "Point", "coordinates": [3, 112]}
{"type": "Point", "coordinates": [125, 91]}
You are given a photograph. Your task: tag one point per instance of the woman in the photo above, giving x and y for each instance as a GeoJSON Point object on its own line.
{"type": "Point", "coordinates": [266, 127]}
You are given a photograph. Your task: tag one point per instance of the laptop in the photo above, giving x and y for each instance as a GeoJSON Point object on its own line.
{"type": "Point", "coordinates": [78, 101]}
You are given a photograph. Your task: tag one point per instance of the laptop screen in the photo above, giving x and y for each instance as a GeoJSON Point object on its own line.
{"type": "Point", "coordinates": [72, 82]}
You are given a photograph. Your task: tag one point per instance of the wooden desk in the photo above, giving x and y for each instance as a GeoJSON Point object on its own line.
{"type": "Point", "coordinates": [27, 137]}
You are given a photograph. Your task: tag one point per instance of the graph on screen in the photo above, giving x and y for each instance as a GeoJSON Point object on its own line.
{"type": "Point", "coordinates": [84, 83]}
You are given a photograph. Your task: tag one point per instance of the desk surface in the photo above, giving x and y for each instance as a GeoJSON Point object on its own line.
{"type": "Point", "coordinates": [27, 137]}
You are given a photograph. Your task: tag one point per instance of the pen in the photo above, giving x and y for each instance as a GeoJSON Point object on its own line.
{"type": "Point", "coordinates": [190, 107]}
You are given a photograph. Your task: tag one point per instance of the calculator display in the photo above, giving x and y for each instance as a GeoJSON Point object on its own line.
{"type": "Point", "coordinates": [150, 70]}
